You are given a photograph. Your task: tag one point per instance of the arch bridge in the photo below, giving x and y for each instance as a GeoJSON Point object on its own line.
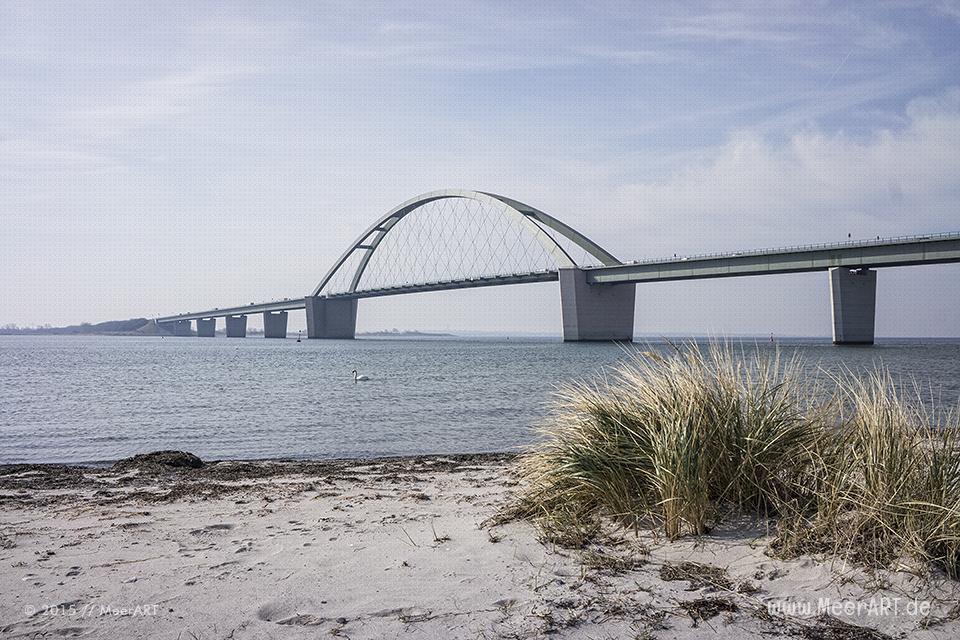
{"type": "Point", "coordinates": [455, 239]}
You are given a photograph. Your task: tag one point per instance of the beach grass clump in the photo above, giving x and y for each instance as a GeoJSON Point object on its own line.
{"type": "Point", "coordinates": [675, 441]}
{"type": "Point", "coordinates": [887, 480]}
{"type": "Point", "coordinates": [672, 437]}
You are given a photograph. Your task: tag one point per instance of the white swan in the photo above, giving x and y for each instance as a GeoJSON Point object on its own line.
{"type": "Point", "coordinates": [357, 378]}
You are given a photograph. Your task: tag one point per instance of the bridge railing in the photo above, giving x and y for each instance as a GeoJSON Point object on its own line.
{"type": "Point", "coordinates": [540, 275]}
{"type": "Point", "coordinates": [803, 247]}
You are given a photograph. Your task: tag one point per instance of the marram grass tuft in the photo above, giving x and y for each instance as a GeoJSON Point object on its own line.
{"type": "Point", "coordinates": [850, 465]}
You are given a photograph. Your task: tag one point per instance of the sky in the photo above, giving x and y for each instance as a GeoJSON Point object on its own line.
{"type": "Point", "coordinates": [157, 158]}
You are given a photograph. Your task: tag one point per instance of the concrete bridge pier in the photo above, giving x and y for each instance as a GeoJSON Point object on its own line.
{"type": "Point", "coordinates": [595, 312]}
{"type": "Point", "coordinates": [206, 327]}
{"type": "Point", "coordinates": [275, 324]}
{"type": "Point", "coordinates": [236, 326]}
{"type": "Point", "coordinates": [331, 318]}
{"type": "Point", "coordinates": [853, 298]}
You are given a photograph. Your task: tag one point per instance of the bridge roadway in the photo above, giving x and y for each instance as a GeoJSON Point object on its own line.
{"type": "Point", "coordinates": [291, 304]}
{"type": "Point", "coordinates": [903, 251]}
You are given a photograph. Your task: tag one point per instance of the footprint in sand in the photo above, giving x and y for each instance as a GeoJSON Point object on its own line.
{"type": "Point", "coordinates": [288, 612]}
{"type": "Point", "coordinates": [302, 620]}
{"type": "Point", "coordinates": [65, 632]}
{"type": "Point", "coordinates": [212, 528]}
{"type": "Point", "coordinates": [776, 573]}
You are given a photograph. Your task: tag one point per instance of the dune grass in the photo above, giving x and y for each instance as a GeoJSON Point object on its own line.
{"type": "Point", "coordinates": [674, 442]}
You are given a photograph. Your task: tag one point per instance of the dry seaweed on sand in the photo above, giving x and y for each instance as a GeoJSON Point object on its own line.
{"type": "Point", "coordinates": [702, 609]}
{"type": "Point", "coordinates": [611, 562]}
{"type": "Point", "coordinates": [827, 627]}
{"type": "Point", "coordinates": [699, 575]}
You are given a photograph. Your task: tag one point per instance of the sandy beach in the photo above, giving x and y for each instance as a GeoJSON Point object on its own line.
{"type": "Point", "coordinates": [401, 547]}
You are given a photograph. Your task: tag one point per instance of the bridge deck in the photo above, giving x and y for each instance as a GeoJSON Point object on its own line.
{"type": "Point", "coordinates": [891, 252]}
{"type": "Point", "coordinates": [444, 285]}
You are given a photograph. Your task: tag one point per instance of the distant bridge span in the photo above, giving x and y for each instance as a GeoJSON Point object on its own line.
{"type": "Point", "coordinates": [597, 291]}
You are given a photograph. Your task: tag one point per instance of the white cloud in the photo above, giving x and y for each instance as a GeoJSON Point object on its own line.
{"type": "Point", "coordinates": [73, 139]}
{"type": "Point", "coordinates": [630, 56]}
{"type": "Point", "coordinates": [949, 7]}
{"type": "Point", "coordinates": [150, 101]}
{"type": "Point", "coordinates": [812, 187]}
{"type": "Point", "coordinates": [785, 24]}
{"type": "Point", "coordinates": [19, 154]}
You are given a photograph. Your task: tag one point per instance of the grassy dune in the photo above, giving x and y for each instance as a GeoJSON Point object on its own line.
{"type": "Point", "coordinates": [851, 465]}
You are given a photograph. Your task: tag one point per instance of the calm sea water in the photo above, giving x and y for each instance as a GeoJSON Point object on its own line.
{"type": "Point", "coordinates": [89, 399]}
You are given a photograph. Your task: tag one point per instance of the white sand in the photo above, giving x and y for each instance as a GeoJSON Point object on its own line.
{"type": "Point", "coordinates": [378, 551]}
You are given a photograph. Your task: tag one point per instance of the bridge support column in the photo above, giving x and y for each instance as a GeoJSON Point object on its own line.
{"type": "Point", "coordinates": [206, 327]}
{"type": "Point", "coordinates": [595, 311]}
{"type": "Point", "coordinates": [275, 324]}
{"type": "Point", "coordinates": [236, 326]}
{"type": "Point", "coordinates": [853, 298]}
{"type": "Point", "coordinates": [331, 317]}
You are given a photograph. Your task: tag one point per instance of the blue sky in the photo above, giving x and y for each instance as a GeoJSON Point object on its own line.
{"type": "Point", "coordinates": [162, 157]}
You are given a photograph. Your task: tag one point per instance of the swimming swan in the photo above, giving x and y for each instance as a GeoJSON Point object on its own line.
{"type": "Point", "coordinates": [357, 378]}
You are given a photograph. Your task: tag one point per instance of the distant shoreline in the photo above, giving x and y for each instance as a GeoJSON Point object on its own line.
{"type": "Point", "coordinates": [786, 340]}
{"type": "Point", "coordinates": [147, 327]}
{"type": "Point", "coordinates": [131, 327]}
{"type": "Point", "coordinates": [404, 334]}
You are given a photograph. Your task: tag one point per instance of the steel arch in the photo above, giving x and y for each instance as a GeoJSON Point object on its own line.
{"type": "Point", "coordinates": [525, 214]}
